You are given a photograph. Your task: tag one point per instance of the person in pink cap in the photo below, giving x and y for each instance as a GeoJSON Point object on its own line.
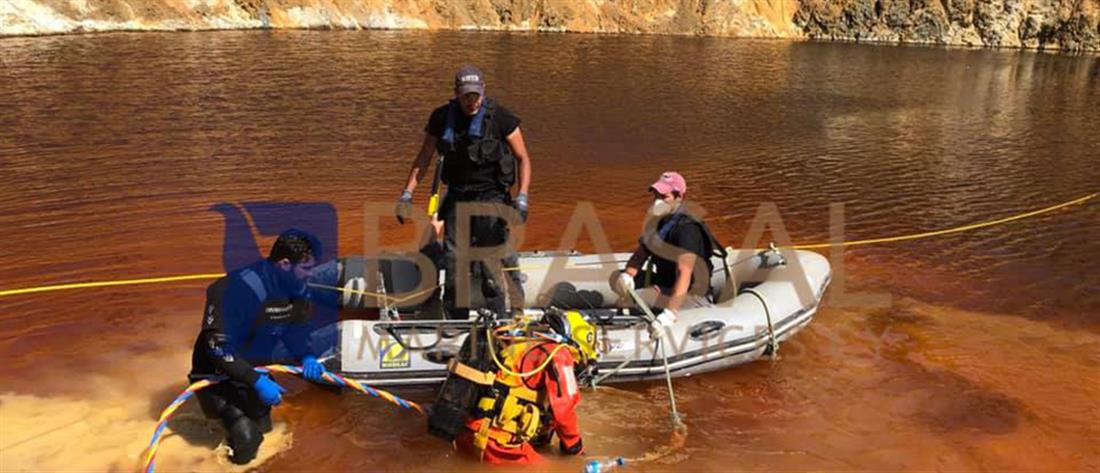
{"type": "Point", "coordinates": [676, 251]}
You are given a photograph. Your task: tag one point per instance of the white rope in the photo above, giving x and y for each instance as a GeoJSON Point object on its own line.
{"type": "Point", "coordinates": [668, 373]}
{"type": "Point", "coordinates": [773, 343]}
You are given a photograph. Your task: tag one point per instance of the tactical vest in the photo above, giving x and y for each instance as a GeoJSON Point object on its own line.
{"type": "Point", "coordinates": [476, 164]}
{"type": "Point", "coordinates": [711, 247]}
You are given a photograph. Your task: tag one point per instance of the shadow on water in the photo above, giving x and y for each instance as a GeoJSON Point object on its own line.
{"type": "Point", "coordinates": [948, 402]}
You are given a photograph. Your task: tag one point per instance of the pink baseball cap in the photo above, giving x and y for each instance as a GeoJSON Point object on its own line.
{"type": "Point", "coordinates": [669, 182]}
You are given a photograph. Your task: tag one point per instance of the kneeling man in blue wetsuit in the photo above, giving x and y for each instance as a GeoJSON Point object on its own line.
{"type": "Point", "coordinates": [255, 315]}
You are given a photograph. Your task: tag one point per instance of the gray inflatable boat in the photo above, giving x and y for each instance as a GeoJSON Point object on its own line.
{"type": "Point", "coordinates": [777, 294]}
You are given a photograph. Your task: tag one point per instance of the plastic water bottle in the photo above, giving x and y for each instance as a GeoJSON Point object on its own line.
{"type": "Point", "coordinates": [596, 466]}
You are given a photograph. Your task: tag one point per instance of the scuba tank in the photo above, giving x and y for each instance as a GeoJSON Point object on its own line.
{"type": "Point", "coordinates": [469, 375]}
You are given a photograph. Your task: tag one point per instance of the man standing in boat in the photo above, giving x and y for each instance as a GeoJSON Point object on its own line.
{"type": "Point", "coordinates": [675, 248]}
{"type": "Point", "coordinates": [484, 155]}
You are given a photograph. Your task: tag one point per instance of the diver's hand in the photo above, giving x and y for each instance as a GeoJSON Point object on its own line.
{"type": "Point", "coordinates": [404, 208]}
{"type": "Point", "coordinates": [312, 369]}
{"type": "Point", "coordinates": [270, 392]}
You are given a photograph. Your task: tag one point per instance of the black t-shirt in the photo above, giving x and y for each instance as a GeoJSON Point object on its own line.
{"type": "Point", "coordinates": [505, 121]}
{"type": "Point", "coordinates": [686, 234]}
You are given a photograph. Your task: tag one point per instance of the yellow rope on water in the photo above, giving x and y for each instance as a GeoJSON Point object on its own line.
{"type": "Point", "coordinates": [915, 236]}
{"type": "Point", "coordinates": [948, 231]}
{"type": "Point", "coordinates": [122, 282]}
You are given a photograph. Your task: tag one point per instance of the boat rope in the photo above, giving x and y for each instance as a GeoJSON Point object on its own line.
{"type": "Point", "coordinates": [678, 436]}
{"type": "Point", "coordinates": [948, 231]}
{"type": "Point", "coordinates": [915, 236]}
{"type": "Point", "coordinates": [652, 320]}
{"type": "Point", "coordinates": [676, 422]}
{"type": "Point", "coordinates": [773, 343]}
{"type": "Point", "coordinates": [599, 379]}
{"type": "Point", "coordinates": [382, 297]}
{"type": "Point", "coordinates": [677, 440]}
{"type": "Point", "coordinates": [328, 377]}
{"type": "Point", "coordinates": [388, 311]}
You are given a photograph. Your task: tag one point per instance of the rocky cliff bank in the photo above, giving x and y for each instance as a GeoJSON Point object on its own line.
{"type": "Point", "coordinates": [1050, 24]}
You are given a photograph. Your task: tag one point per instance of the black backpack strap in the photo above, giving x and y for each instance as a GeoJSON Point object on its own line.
{"type": "Point", "coordinates": [716, 247]}
{"type": "Point", "coordinates": [719, 250]}
{"type": "Point", "coordinates": [488, 122]}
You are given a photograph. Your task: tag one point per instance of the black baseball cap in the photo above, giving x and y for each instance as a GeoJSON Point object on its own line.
{"type": "Point", "coordinates": [469, 79]}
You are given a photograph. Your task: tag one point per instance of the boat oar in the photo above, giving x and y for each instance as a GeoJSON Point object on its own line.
{"type": "Point", "coordinates": [652, 320]}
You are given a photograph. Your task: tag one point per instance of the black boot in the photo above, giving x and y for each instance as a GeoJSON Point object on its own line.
{"type": "Point", "coordinates": [264, 423]}
{"type": "Point", "coordinates": [244, 439]}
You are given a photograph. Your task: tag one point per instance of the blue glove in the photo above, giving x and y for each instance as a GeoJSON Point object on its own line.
{"type": "Point", "coordinates": [270, 392]}
{"type": "Point", "coordinates": [521, 206]}
{"type": "Point", "coordinates": [312, 369]}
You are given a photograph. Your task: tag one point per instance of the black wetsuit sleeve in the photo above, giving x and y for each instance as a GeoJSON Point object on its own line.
{"type": "Point", "coordinates": [225, 325]}
{"type": "Point", "coordinates": [296, 337]}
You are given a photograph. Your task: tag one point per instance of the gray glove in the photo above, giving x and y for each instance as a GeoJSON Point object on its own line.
{"type": "Point", "coordinates": [521, 206]}
{"type": "Point", "coordinates": [404, 208]}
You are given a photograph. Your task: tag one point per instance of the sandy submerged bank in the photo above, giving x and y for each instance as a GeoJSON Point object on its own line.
{"type": "Point", "coordinates": [1041, 24]}
{"type": "Point", "coordinates": [109, 428]}
{"type": "Point", "coordinates": [932, 375]}
{"type": "Point", "coordinates": [65, 434]}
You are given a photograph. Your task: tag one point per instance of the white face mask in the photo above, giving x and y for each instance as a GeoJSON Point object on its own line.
{"type": "Point", "coordinates": [660, 208]}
